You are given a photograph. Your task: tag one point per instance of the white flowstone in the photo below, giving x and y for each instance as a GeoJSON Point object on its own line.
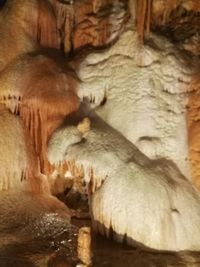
{"type": "Point", "coordinates": [145, 92]}
{"type": "Point", "coordinates": [142, 200]}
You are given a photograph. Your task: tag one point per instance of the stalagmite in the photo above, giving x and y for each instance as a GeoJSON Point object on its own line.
{"type": "Point", "coordinates": [139, 201]}
{"type": "Point", "coordinates": [85, 246]}
{"type": "Point", "coordinates": [61, 167]}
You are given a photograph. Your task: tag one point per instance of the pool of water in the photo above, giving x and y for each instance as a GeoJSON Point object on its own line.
{"type": "Point", "coordinates": [42, 238]}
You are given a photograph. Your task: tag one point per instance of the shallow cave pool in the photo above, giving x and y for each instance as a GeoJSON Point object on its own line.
{"type": "Point", "coordinates": [47, 240]}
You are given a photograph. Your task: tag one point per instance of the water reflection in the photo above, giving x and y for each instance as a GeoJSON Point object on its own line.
{"type": "Point", "coordinates": [35, 237]}
{"type": "Point", "coordinates": [31, 232]}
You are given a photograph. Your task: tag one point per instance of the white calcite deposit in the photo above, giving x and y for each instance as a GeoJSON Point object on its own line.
{"type": "Point", "coordinates": [137, 143]}
{"type": "Point", "coordinates": [134, 198]}
{"type": "Point", "coordinates": [141, 92]}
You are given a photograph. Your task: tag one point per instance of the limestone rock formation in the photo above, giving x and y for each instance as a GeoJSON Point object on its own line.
{"type": "Point", "coordinates": [176, 19]}
{"type": "Point", "coordinates": [27, 74]}
{"type": "Point", "coordinates": [22, 32]}
{"type": "Point", "coordinates": [135, 199]}
{"type": "Point", "coordinates": [194, 129]}
{"type": "Point", "coordinates": [14, 151]}
{"type": "Point", "coordinates": [27, 209]}
{"type": "Point", "coordinates": [145, 92]}
{"type": "Point", "coordinates": [95, 23]}
{"type": "Point", "coordinates": [141, 92]}
{"type": "Point", "coordinates": [42, 92]}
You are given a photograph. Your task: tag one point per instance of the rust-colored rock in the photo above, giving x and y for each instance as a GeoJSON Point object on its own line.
{"type": "Point", "coordinates": [177, 19]}
{"type": "Point", "coordinates": [28, 23]}
{"type": "Point", "coordinates": [89, 22]}
{"type": "Point", "coordinates": [42, 92]}
{"type": "Point", "coordinates": [193, 120]}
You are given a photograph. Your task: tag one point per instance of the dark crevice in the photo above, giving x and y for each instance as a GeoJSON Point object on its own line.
{"type": "Point", "coordinates": [2, 3]}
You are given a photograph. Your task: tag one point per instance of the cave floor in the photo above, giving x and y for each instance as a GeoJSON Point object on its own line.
{"type": "Point", "coordinates": [57, 253]}
{"type": "Point", "coordinates": [56, 246]}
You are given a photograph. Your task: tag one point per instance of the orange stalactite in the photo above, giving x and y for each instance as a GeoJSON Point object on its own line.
{"type": "Point", "coordinates": [43, 91]}
{"type": "Point", "coordinates": [144, 9]}
{"type": "Point", "coordinates": [42, 115]}
{"type": "Point", "coordinates": [46, 28]}
{"type": "Point", "coordinates": [193, 125]}
{"type": "Point", "coordinates": [164, 11]}
{"type": "Point", "coordinates": [65, 24]}
{"type": "Point", "coordinates": [141, 13]}
{"type": "Point", "coordinates": [148, 21]}
{"type": "Point", "coordinates": [151, 13]}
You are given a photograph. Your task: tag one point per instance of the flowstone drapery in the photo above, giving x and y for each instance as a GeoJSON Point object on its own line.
{"type": "Point", "coordinates": [132, 198]}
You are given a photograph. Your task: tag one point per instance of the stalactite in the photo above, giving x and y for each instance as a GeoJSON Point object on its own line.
{"type": "Point", "coordinates": [163, 11]}
{"type": "Point", "coordinates": [153, 13]}
{"type": "Point", "coordinates": [144, 10]}
{"type": "Point", "coordinates": [141, 13]}
{"type": "Point", "coordinates": [65, 167]}
{"type": "Point", "coordinates": [90, 22]}
{"type": "Point", "coordinates": [47, 33]}
{"type": "Point", "coordinates": [193, 118]}
{"type": "Point", "coordinates": [65, 20]}
{"type": "Point", "coordinates": [42, 91]}
{"type": "Point", "coordinates": [19, 162]}
{"type": "Point", "coordinates": [42, 116]}
{"type": "Point", "coordinates": [148, 24]}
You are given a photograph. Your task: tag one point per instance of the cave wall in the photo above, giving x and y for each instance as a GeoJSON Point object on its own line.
{"type": "Point", "coordinates": [159, 115]}
{"type": "Point", "coordinates": [159, 123]}
{"type": "Point", "coordinates": [144, 92]}
{"type": "Point", "coordinates": [89, 23]}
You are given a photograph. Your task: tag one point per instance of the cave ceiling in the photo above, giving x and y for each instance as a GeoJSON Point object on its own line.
{"type": "Point", "coordinates": [99, 22]}
{"type": "Point", "coordinates": [178, 20]}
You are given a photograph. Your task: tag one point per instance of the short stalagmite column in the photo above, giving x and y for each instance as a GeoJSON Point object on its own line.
{"type": "Point", "coordinates": [84, 246]}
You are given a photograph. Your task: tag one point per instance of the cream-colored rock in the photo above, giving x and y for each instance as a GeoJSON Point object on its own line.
{"type": "Point", "coordinates": [19, 168]}
{"type": "Point", "coordinates": [139, 200]}
{"type": "Point", "coordinates": [62, 139]}
{"type": "Point", "coordinates": [84, 126]}
{"type": "Point", "coordinates": [141, 92]}
{"type": "Point", "coordinates": [14, 157]}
